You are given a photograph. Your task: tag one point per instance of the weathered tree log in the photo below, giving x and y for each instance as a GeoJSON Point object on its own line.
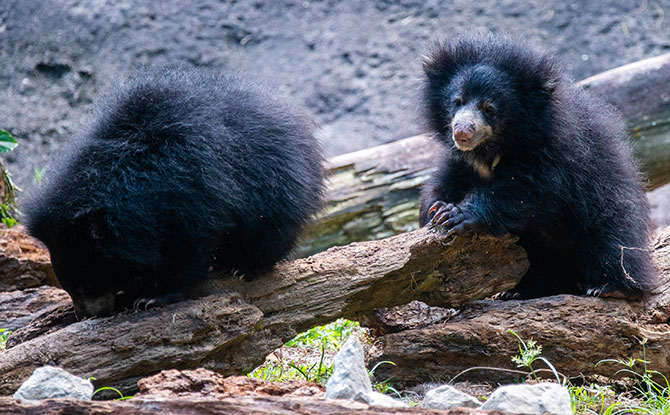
{"type": "Point", "coordinates": [374, 193]}
{"type": "Point", "coordinates": [640, 91]}
{"type": "Point", "coordinates": [24, 262]}
{"type": "Point", "coordinates": [17, 308]}
{"type": "Point", "coordinates": [241, 405]}
{"type": "Point", "coordinates": [575, 333]}
{"type": "Point", "coordinates": [232, 333]}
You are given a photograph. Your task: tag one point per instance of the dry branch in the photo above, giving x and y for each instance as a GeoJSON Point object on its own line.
{"type": "Point", "coordinates": [374, 193]}
{"type": "Point", "coordinates": [232, 333]}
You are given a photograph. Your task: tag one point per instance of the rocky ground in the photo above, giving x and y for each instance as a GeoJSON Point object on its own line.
{"type": "Point", "coordinates": [353, 64]}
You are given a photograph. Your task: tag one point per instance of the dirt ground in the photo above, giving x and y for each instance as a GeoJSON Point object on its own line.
{"type": "Point", "coordinates": [353, 64]}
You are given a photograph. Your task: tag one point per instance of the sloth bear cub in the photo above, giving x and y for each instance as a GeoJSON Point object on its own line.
{"type": "Point", "coordinates": [529, 153]}
{"type": "Point", "coordinates": [179, 172]}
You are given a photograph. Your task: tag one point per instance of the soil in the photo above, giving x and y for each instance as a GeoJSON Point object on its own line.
{"type": "Point", "coordinates": [204, 383]}
{"type": "Point", "coordinates": [354, 65]}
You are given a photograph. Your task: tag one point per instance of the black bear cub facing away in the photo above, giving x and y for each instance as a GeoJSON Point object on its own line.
{"type": "Point", "coordinates": [180, 171]}
{"type": "Point", "coordinates": [530, 154]}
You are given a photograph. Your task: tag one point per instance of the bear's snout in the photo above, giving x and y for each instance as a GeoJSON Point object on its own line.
{"type": "Point", "coordinates": [463, 132]}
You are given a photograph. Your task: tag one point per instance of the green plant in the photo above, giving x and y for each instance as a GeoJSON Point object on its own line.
{"type": "Point", "coordinates": [38, 174]}
{"type": "Point", "coordinates": [4, 333]}
{"type": "Point", "coordinates": [7, 188]}
{"type": "Point", "coordinates": [384, 386]}
{"type": "Point", "coordinates": [592, 399]}
{"type": "Point", "coordinates": [330, 336]}
{"type": "Point", "coordinates": [654, 395]}
{"type": "Point", "coordinates": [322, 373]}
{"type": "Point", "coordinates": [529, 353]}
{"type": "Point", "coordinates": [278, 371]}
{"type": "Point", "coordinates": [7, 142]}
{"type": "Point", "coordinates": [109, 388]}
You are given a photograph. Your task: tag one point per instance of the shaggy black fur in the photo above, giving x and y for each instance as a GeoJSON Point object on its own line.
{"type": "Point", "coordinates": [554, 169]}
{"type": "Point", "coordinates": [181, 170]}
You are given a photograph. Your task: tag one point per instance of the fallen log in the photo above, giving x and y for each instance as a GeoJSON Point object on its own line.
{"type": "Point", "coordinates": [640, 91]}
{"type": "Point", "coordinates": [374, 193]}
{"type": "Point", "coordinates": [241, 405]}
{"type": "Point", "coordinates": [575, 334]}
{"type": "Point", "coordinates": [18, 308]}
{"type": "Point", "coordinates": [232, 332]}
{"type": "Point", "coordinates": [24, 261]}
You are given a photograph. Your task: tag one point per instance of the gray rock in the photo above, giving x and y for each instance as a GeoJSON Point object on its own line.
{"type": "Point", "coordinates": [51, 382]}
{"type": "Point", "coordinates": [543, 398]}
{"type": "Point", "coordinates": [379, 399]}
{"type": "Point", "coordinates": [349, 378]}
{"type": "Point", "coordinates": [448, 397]}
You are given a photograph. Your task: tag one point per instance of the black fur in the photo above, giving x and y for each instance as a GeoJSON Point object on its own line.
{"type": "Point", "coordinates": [564, 182]}
{"type": "Point", "coordinates": [181, 170]}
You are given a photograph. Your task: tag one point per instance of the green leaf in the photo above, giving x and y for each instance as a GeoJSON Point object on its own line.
{"type": "Point", "coordinates": [7, 142]}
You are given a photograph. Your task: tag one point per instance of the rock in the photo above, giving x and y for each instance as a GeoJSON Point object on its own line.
{"type": "Point", "coordinates": [349, 378]}
{"type": "Point", "coordinates": [203, 383]}
{"type": "Point", "coordinates": [543, 398]}
{"type": "Point", "coordinates": [448, 397]}
{"type": "Point", "coordinates": [49, 382]}
{"type": "Point", "coordinates": [379, 399]}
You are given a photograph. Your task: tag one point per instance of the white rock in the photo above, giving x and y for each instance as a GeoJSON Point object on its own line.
{"type": "Point", "coordinates": [379, 399]}
{"type": "Point", "coordinates": [349, 378]}
{"type": "Point", "coordinates": [448, 397]}
{"type": "Point", "coordinates": [51, 382]}
{"type": "Point", "coordinates": [543, 398]}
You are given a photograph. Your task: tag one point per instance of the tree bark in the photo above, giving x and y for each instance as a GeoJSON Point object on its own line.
{"type": "Point", "coordinates": [242, 406]}
{"type": "Point", "coordinates": [575, 334]}
{"type": "Point", "coordinates": [24, 262]}
{"type": "Point", "coordinates": [232, 332]}
{"type": "Point", "coordinates": [18, 308]}
{"type": "Point", "coordinates": [640, 91]}
{"type": "Point", "coordinates": [374, 193]}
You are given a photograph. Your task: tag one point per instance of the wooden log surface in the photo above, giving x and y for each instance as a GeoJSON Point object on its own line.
{"type": "Point", "coordinates": [374, 193]}
{"type": "Point", "coordinates": [241, 405]}
{"type": "Point", "coordinates": [232, 332]}
{"type": "Point", "coordinates": [575, 334]}
{"type": "Point", "coordinates": [640, 91]}
{"type": "Point", "coordinates": [24, 262]}
{"type": "Point", "coordinates": [19, 307]}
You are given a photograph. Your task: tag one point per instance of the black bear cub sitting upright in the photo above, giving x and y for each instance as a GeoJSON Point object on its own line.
{"type": "Point", "coordinates": [181, 170]}
{"type": "Point", "coordinates": [531, 154]}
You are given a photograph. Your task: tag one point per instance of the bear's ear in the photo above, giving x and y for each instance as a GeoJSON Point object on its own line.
{"type": "Point", "coordinates": [92, 222]}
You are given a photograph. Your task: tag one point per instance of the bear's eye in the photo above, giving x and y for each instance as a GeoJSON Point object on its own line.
{"type": "Point", "coordinates": [489, 109]}
{"type": "Point", "coordinates": [458, 101]}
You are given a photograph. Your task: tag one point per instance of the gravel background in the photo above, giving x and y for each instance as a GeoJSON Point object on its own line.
{"type": "Point", "coordinates": [352, 64]}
